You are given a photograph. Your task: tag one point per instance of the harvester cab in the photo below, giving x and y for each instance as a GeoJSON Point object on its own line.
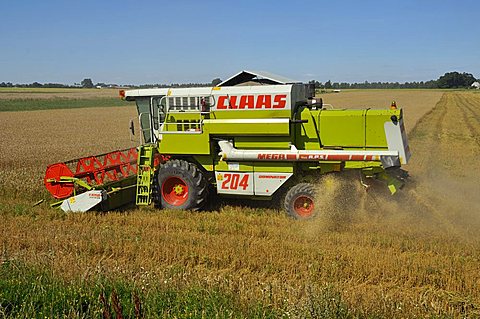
{"type": "Point", "coordinates": [240, 139]}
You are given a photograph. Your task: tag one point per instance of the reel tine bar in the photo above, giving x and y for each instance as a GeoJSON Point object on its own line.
{"type": "Point", "coordinates": [94, 170]}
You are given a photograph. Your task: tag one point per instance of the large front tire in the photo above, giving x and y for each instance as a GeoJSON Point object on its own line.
{"type": "Point", "coordinates": [299, 202]}
{"type": "Point", "coordinates": [181, 185]}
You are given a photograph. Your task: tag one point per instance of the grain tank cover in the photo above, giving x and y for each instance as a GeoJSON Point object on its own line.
{"type": "Point", "coordinates": [245, 78]}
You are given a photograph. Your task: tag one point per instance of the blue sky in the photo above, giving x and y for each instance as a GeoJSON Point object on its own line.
{"type": "Point", "coordinates": [136, 42]}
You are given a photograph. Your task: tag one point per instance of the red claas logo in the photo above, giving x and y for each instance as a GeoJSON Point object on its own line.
{"type": "Point", "coordinates": [263, 101]}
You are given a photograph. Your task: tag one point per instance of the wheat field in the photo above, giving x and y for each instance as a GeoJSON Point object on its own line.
{"type": "Point", "coordinates": [368, 254]}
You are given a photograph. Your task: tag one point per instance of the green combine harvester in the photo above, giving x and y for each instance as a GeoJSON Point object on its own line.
{"type": "Point", "coordinates": [253, 136]}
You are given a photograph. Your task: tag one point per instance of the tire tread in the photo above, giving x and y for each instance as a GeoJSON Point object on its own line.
{"type": "Point", "coordinates": [197, 177]}
{"type": "Point", "coordinates": [301, 188]}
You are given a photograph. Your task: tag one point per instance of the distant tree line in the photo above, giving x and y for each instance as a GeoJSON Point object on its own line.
{"type": "Point", "coordinates": [455, 80]}
{"type": "Point", "coordinates": [173, 85]}
{"type": "Point", "coordinates": [376, 85]}
{"type": "Point", "coordinates": [450, 80]}
{"type": "Point", "coordinates": [88, 83]}
{"type": "Point", "coordinates": [446, 81]}
{"type": "Point", "coordinates": [34, 85]}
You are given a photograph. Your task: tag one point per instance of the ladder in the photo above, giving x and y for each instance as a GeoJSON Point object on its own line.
{"type": "Point", "coordinates": [145, 171]}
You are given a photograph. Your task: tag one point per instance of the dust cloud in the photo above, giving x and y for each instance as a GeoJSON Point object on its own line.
{"type": "Point", "coordinates": [422, 207]}
{"type": "Point", "coordinates": [440, 198]}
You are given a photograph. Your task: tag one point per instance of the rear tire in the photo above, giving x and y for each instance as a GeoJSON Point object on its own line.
{"type": "Point", "coordinates": [181, 185]}
{"type": "Point", "coordinates": [299, 202]}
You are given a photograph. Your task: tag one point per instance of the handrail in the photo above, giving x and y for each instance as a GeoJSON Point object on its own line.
{"type": "Point", "coordinates": [184, 109]}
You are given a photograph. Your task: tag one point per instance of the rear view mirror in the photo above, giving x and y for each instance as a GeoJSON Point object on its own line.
{"type": "Point", "coordinates": [132, 127]}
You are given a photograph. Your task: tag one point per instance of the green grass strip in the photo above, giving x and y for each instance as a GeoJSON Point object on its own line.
{"type": "Point", "coordinates": [29, 293]}
{"type": "Point", "coordinates": [57, 103]}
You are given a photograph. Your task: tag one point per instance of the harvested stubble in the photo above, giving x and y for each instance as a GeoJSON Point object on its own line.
{"type": "Point", "coordinates": [369, 254]}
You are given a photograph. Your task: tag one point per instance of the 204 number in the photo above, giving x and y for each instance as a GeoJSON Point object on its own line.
{"type": "Point", "coordinates": [235, 181]}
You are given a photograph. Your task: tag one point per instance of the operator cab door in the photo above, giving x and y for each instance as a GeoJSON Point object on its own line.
{"type": "Point", "coordinates": [159, 114]}
{"type": "Point", "coordinates": [151, 113]}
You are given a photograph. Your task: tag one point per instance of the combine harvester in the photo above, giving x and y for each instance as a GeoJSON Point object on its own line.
{"type": "Point", "coordinates": [253, 136]}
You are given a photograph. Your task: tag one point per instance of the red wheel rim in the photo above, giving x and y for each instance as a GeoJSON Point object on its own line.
{"type": "Point", "coordinates": [175, 191]}
{"type": "Point", "coordinates": [304, 206]}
